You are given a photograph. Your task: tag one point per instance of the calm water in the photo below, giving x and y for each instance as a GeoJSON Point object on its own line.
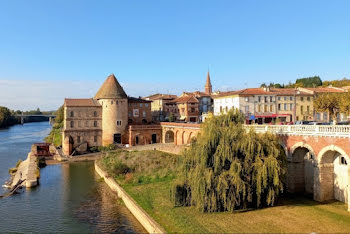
{"type": "Point", "coordinates": [70, 197]}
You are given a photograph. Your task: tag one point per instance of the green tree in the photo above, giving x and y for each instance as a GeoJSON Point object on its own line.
{"type": "Point", "coordinates": [6, 117]}
{"type": "Point", "coordinates": [328, 102]}
{"type": "Point", "coordinates": [345, 103]}
{"type": "Point", "coordinates": [55, 136]}
{"type": "Point", "coordinates": [309, 82]}
{"type": "Point", "coordinates": [229, 168]}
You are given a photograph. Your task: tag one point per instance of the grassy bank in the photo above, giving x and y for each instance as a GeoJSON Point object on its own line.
{"type": "Point", "coordinates": [148, 175]}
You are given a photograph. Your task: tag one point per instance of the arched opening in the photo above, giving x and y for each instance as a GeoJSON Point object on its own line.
{"type": "Point", "coordinates": [183, 138]}
{"type": "Point", "coordinates": [129, 121]}
{"type": "Point", "coordinates": [333, 177]}
{"type": "Point", "coordinates": [301, 171]}
{"type": "Point", "coordinates": [169, 137]}
{"type": "Point", "coordinates": [136, 140]}
{"type": "Point", "coordinates": [144, 121]}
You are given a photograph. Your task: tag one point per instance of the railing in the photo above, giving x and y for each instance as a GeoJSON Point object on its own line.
{"type": "Point", "coordinates": [312, 130]}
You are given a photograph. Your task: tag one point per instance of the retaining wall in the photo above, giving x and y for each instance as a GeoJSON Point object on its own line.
{"type": "Point", "coordinates": [146, 221]}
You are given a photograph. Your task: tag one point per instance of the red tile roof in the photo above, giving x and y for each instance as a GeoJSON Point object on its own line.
{"type": "Point", "coordinates": [82, 102]}
{"type": "Point", "coordinates": [161, 96]}
{"type": "Point", "coordinates": [185, 99]}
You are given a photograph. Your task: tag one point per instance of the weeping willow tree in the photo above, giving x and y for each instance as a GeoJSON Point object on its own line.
{"type": "Point", "coordinates": [229, 168]}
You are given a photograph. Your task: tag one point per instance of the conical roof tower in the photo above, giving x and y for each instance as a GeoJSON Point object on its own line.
{"type": "Point", "coordinates": [110, 89]}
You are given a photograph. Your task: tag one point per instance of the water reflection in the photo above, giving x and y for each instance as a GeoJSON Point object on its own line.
{"type": "Point", "coordinates": [69, 198]}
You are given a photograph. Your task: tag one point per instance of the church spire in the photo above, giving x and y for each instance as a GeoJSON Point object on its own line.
{"type": "Point", "coordinates": [208, 88]}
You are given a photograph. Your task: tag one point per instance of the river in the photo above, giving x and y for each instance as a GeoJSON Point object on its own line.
{"type": "Point", "coordinates": [70, 197]}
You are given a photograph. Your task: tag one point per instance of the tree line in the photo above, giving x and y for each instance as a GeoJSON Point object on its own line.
{"type": "Point", "coordinates": [309, 82]}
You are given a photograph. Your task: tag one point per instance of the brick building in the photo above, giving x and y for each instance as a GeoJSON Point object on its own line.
{"type": "Point", "coordinates": [106, 119]}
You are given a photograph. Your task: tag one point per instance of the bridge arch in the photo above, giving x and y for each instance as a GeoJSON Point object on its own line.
{"type": "Point", "coordinates": [169, 136]}
{"type": "Point", "coordinates": [301, 169]}
{"type": "Point", "coordinates": [332, 174]}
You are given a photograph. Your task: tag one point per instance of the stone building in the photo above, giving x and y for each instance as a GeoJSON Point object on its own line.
{"type": "Point", "coordinates": [105, 119]}
{"type": "Point", "coordinates": [158, 105]}
{"type": "Point", "coordinates": [184, 108]}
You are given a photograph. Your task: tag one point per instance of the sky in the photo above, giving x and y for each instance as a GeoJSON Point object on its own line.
{"type": "Point", "coordinates": [51, 50]}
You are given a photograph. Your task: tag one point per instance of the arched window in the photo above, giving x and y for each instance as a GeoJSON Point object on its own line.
{"type": "Point", "coordinates": [71, 114]}
{"type": "Point", "coordinates": [95, 123]}
{"type": "Point", "coordinates": [95, 113]}
{"type": "Point", "coordinates": [72, 124]}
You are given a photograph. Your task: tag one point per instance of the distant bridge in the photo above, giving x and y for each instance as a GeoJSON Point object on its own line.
{"type": "Point", "coordinates": [35, 118]}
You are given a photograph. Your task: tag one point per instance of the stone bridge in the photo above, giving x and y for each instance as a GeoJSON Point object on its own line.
{"type": "Point", "coordinates": [179, 133]}
{"type": "Point", "coordinates": [317, 155]}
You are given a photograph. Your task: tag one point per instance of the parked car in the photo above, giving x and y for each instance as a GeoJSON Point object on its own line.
{"type": "Point", "coordinates": [344, 123]}
{"type": "Point", "coordinates": [302, 122]}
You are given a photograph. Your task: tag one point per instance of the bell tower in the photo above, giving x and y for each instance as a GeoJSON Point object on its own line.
{"type": "Point", "coordinates": [208, 88]}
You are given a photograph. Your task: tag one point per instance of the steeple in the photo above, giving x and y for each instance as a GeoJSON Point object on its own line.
{"type": "Point", "coordinates": [110, 89]}
{"type": "Point", "coordinates": [208, 88]}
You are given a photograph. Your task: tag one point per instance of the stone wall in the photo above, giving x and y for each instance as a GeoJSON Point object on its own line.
{"type": "Point", "coordinates": [146, 221]}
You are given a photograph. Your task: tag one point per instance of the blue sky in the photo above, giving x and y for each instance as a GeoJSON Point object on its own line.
{"type": "Point", "coordinates": [55, 49]}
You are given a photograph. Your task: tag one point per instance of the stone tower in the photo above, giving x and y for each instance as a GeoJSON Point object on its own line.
{"type": "Point", "coordinates": [114, 103]}
{"type": "Point", "coordinates": [208, 85]}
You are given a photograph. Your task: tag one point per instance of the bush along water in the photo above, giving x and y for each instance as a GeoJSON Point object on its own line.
{"type": "Point", "coordinates": [228, 168]}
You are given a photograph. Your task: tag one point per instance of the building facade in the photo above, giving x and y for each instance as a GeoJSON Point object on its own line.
{"type": "Point", "coordinates": [106, 119]}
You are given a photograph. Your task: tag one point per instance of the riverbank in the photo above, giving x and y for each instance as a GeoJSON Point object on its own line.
{"type": "Point", "coordinates": [150, 183]}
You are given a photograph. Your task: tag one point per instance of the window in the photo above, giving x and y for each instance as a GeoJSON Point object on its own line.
{"type": "Point", "coordinates": [318, 116]}
{"type": "Point", "coordinates": [78, 139]}
{"type": "Point", "coordinates": [72, 124]}
{"type": "Point", "coordinates": [270, 98]}
{"type": "Point", "coordinates": [119, 122]}
{"type": "Point", "coordinates": [325, 116]}
{"type": "Point", "coordinates": [279, 107]}
{"type": "Point", "coordinates": [95, 113]}
{"type": "Point", "coordinates": [279, 98]}
{"type": "Point", "coordinates": [259, 98]}
{"type": "Point", "coordinates": [265, 99]}
{"type": "Point", "coordinates": [271, 108]}
{"type": "Point", "coordinates": [259, 108]}
{"type": "Point", "coordinates": [117, 102]}
{"type": "Point", "coordinates": [71, 114]}
{"type": "Point", "coordinates": [343, 161]}
{"type": "Point", "coordinates": [146, 104]}
{"type": "Point", "coordinates": [291, 98]}
{"type": "Point", "coordinates": [130, 113]}
{"type": "Point", "coordinates": [285, 98]}
{"type": "Point", "coordinates": [226, 109]}
{"type": "Point", "coordinates": [246, 109]}
{"type": "Point", "coordinates": [95, 138]}
{"type": "Point", "coordinates": [291, 106]}
{"type": "Point", "coordinates": [308, 98]}
{"type": "Point", "coordinates": [265, 108]}
{"type": "Point", "coordinates": [140, 104]}
{"type": "Point", "coordinates": [301, 98]}
{"type": "Point", "coordinates": [247, 99]}
{"type": "Point", "coordinates": [95, 123]}
{"type": "Point", "coordinates": [220, 108]}
{"type": "Point", "coordinates": [144, 113]}
{"type": "Point", "coordinates": [285, 107]}
{"type": "Point", "coordinates": [192, 109]}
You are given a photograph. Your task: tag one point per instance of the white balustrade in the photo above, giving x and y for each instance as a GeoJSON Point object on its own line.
{"type": "Point", "coordinates": [312, 130]}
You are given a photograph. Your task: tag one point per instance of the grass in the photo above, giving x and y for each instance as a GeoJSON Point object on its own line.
{"type": "Point", "coordinates": [148, 176]}
{"type": "Point", "coordinates": [291, 215]}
